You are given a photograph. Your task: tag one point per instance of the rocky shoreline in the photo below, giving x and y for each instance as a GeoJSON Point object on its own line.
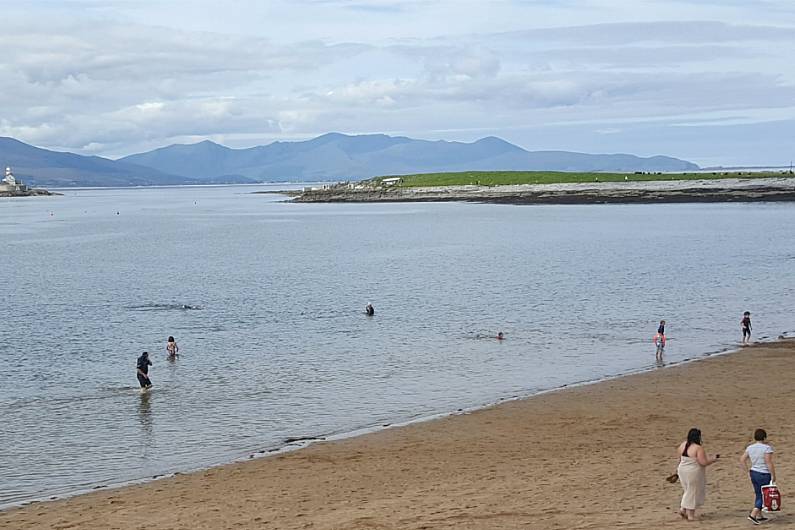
{"type": "Point", "coordinates": [27, 193]}
{"type": "Point", "coordinates": [670, 191]}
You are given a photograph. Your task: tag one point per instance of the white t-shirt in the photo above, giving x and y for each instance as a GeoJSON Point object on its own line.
{"type": "Point", "coordinates": [757, 452]}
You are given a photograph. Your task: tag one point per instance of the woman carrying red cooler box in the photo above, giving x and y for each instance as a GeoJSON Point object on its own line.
{"type": "Point", "coordinates": [762, 471]}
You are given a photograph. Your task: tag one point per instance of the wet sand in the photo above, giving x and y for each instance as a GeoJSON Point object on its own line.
{"type": "Point", "coordinates": [582, 458]}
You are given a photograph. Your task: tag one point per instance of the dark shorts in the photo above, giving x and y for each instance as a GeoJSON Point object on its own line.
{"type": "Point", "coordinates": [746, 332]}
{"type": "Point", "coordinates": [144, 380]}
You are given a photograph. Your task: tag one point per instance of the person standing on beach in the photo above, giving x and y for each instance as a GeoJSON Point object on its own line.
{"type": "Point", "coordinates": [143, 371]}
{"type": "Point", "coordinates": [746, 325]}
{"type": "Point", "coordinates": [762, 471]}
{"type": "Point", "coordinates": [171, 348]}
{"type": "Point", "coordinates": [693, 462]}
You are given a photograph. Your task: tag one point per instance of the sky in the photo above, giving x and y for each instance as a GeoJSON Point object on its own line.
{"type": "Point", "coordinates": [711, 81]}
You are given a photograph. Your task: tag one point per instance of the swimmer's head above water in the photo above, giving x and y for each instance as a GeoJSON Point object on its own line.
{"type": "Point", "coordinates": [500, 336]}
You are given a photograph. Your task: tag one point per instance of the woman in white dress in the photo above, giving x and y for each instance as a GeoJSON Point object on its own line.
{"type": "Point", "coordinates": [693, 462]}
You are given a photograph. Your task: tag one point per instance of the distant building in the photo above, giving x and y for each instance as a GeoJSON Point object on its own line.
{"type": "Point", "coordinates": [10, 184]}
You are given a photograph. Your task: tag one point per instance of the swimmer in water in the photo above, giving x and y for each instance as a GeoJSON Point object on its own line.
{"type": "Point", "coordinates": [172, 348]}
{"type": "Point", "coordinates": [143, 371]}
{"type": "Point", "coordinates": [500, 336]}
{"type": "Point", "coordinates": [369, 310]}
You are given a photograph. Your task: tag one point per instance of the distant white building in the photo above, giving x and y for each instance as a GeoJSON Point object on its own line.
{"type": "Point", "coordinates": [11, 184]}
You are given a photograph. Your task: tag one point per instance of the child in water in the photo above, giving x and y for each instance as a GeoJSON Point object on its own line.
{"type": "Point", "coordinates": [746, 325]}
{"type": "Point", "coordinates": [659, 340]}
{"type": "Point", "coordinates": [172, 348]}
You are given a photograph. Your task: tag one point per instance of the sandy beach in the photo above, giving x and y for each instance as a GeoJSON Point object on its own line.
{"type": "Point", "coordinates": [587, 457]}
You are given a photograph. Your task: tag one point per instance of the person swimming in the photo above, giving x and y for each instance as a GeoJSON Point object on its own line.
{"type": "Point", "coordinates": [500, 336]}
{"type": "Point", "coordinates": [369, 310]}
{"type": "Point", "coordinates": [171, 347]}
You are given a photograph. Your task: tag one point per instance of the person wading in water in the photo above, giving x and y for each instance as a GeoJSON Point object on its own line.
{"type": "Point", "coordinates": [143, 371]}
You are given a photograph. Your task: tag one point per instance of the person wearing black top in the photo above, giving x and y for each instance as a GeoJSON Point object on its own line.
{"type": "Point", "coordinates": [746, 324]}
{"type": "Point", "coordinates": [369, 310]}
{"type": "Point", "coordinates": [143, 370]}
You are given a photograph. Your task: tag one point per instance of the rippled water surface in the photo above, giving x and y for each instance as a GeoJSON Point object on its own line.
{"type": "Point", "coordinates": [266, 299]}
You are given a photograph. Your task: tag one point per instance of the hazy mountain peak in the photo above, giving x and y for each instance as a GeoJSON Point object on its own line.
{"type": "Point", "coordinates": [332, 156]}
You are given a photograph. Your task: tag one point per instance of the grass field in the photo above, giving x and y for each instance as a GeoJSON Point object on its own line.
{"type": "Point", "coordinates": [504, 178]}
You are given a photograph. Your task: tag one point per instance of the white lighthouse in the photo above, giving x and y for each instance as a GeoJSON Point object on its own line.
{"type": "Point", "coordinates": [11, 184]}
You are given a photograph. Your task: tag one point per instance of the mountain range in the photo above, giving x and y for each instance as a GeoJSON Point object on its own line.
{"type": "Point", "coordinates": [332, 156]}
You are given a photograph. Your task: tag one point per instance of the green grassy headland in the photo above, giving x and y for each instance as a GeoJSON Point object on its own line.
{"type": "Point", "coordinates": [504, 178]}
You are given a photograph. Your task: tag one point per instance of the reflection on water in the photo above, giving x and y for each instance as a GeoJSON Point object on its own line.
{"type": "Point", "coordinates": [145, 415]}
{"type": "Point", "coordinates": [266, 300]}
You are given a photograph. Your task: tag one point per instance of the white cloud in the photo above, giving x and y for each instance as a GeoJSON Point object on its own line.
{"type": "Point", "coordinates": [126, 76]}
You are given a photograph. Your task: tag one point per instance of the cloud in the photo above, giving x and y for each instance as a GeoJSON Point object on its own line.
{"type": "Point", "coordinates": [108, 83]}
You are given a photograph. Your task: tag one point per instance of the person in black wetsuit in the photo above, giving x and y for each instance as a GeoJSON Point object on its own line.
{"type": "Point", "coordinates": [746, 324]}
{"type": "Point", "coordinates": [143, 370]}
{"type": "Point", "coordinates": [369, 310]}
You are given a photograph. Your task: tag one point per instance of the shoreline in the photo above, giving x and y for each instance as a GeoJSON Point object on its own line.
{"type": "Point", "coordinates": [631, 192]}
{"type": "Point", "coordinates": [30, 193]}
{"type": "Point", "coordinates": [292, 444]}
{"type": "Point", "coordinates": [74, 508]}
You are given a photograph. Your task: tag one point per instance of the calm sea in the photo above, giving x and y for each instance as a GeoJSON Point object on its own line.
{"type": "Point", "coordinates": [266, 299]}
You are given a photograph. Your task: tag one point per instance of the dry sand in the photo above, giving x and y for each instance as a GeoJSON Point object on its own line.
{"type": "Point", "coordinates": [587, 457]}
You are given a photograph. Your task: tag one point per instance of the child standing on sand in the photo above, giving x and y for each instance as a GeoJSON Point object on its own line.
{"type": "Point", "coordinates": [746, 325]}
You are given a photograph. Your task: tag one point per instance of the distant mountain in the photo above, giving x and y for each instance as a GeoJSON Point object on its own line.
{"type": "Point", "coordinates": [336, 156]}
{"type": "Point", "coordinates": [331, 156]}
{"type": "Point", "coordinates": [41, 167]}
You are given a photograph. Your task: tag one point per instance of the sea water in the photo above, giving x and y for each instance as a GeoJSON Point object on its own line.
{"type": "Point", "coordinates": [266, 301]}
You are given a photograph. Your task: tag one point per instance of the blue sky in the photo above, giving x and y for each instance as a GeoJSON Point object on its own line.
{"type": "Point", "coordinates": [709, 81]}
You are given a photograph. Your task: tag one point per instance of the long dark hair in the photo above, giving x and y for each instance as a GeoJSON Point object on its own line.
{"type": "Point", "coordinates": [694, 436]}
